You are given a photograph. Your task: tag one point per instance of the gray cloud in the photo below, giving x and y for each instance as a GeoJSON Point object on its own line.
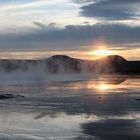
{"type": "Point", "coordinates": [82, 1]}
{"type": "Point", "coordinates": [38, 24]}
{"type": "Point", "coordinates": [71, 37]}
{"type": "Point", "coordinates": [111, 9]}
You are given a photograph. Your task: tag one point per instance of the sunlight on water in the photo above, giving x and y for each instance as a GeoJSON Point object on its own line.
{"type": "Point", "coordinates": [104, 87]}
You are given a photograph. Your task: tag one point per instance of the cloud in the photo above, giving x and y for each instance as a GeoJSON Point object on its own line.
{"type": "Point", "coordinates": [38, 24]}
{"type": "Point", "coordinates": [23, 12]}
{"type": "Point", "coordinates": [71, 37]}
{"type": "Point", "coordinates": [111, 9]}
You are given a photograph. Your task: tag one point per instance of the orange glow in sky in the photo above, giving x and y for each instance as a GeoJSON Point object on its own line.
{"type": "Point", "coordinates": [100, 49]}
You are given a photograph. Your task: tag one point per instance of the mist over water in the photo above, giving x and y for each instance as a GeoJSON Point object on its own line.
{"type": "Point", "coordinates": [64, 68]}
{"type": "Point", "coordinates": [41, 71]}
{"type": "Point", "coordinates": [39, 76]}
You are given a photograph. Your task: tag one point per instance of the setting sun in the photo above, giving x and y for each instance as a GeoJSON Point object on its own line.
{"type": "Point", "coordinates": [102, 52]}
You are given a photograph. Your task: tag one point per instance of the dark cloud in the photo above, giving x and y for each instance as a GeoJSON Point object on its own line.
{"type": "Point", "coordinates": [111, 9]}
{"type": "Point", "coordinates": [49, 26]}
{"type": "Point", "coordinates": [38, 24]}
{"type": "Point", "coordinates": [71, 37]}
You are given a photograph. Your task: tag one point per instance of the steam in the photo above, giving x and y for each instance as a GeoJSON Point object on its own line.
{"type": "Point", "coordinates": [55, 68]}
{"type": "Point", "coordinates": [31, 76]}
{"type": "Point", "coordinates": [42, 72]}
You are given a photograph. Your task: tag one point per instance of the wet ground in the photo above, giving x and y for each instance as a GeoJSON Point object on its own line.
{"type": "Point", "coordinates": [105, 108]}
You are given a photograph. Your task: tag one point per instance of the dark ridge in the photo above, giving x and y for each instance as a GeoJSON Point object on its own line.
{"type": "Point", "coordinates": [113, 58]}
{"type": "Point", "coordinates": [113, 64]}
{"type": "Point", "coordinates": [60, 57]}
{"type": "Point", "coordinates": [63, 64]}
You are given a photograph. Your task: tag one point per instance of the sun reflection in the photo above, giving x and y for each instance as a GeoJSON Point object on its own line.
{"type": "Point", "coordinates": [104, 87]}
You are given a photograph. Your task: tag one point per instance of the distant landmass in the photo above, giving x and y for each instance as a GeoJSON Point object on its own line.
{"type": "Point", "coordinates": [113, 64]}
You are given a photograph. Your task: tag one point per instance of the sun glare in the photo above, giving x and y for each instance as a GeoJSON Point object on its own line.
{"type": "Point", "coordinates": [101, 52]}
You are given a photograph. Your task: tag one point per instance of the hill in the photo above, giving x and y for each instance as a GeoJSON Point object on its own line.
{"type": "Point", "coordinates": [113, 64]}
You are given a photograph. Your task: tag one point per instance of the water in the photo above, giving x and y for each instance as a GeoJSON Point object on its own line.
{"type": "Point", "coordinates": [105, 108]}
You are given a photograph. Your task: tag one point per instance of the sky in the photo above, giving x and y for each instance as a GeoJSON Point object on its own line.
{"type": "Point", "coordinates": [87, 29]}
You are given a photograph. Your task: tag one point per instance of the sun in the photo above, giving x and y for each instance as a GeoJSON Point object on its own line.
{"type": "Point", "coordinates": [103, 52]}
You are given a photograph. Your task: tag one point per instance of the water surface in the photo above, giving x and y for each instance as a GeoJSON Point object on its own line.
{"type": "Point", "coordinates": [105, 108]}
